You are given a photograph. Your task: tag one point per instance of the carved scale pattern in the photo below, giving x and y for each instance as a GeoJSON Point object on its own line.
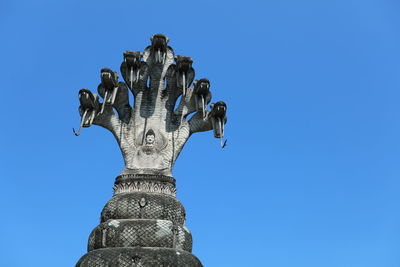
{"type": "Point", "coordinates": [157, 206]}
{"type": "Point", "coordinates": [141, 228]}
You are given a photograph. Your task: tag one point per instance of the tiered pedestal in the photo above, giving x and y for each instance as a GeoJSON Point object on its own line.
{"type": "Point", "coordinates": [143, 224]}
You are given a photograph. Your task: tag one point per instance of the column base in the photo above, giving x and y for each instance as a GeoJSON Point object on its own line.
{"type": "Point", "coordinates": [138, 257]}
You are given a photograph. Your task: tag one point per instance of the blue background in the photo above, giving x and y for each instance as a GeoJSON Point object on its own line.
{"type": "Point", "coordinates": [310, 176]}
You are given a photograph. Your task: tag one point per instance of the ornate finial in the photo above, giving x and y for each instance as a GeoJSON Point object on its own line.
{"type": "Point", "coordinates": [152, 133]}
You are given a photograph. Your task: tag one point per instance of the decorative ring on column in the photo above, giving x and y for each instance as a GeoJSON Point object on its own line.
{"type": "Point", "coordinates": [128, 183]}
{"type": "Point", "coordinates": [140, 233]}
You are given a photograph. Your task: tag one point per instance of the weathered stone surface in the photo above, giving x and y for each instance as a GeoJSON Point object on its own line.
{"type": "Point", "coordinates": [144, 206]}
{"type": "Point", "coordinates": [152, 133]}
{"type": "Point", "coordinates": [140, 233]}
{"type": "Point", "coordinates": [143, 223]}
{"type": "Point", "coordinates": [152, 183]}
{"type": "Point", "coordinates": [128, 257]}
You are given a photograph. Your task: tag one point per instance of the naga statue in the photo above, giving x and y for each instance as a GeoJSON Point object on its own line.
{"type": "Point", "coordinates": [157, 80]}
{"type": "Point", "coordinates": [143, 223]}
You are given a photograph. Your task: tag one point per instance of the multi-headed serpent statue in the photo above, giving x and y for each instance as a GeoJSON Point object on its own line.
{"type": "Point", "coordinates": [143, 223]}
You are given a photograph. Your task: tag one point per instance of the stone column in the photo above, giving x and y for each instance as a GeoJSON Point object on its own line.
{"type": "Point", "coordinates": [143, 224]}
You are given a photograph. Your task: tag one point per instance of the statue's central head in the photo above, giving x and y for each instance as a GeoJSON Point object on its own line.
{"type": "Point", "coordinates": [150, 137]}
{"type": "Point", "coordinates": [152, 133]}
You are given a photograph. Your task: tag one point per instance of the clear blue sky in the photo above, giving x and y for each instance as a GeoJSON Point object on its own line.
{"type": "Point", "coordinates": [310, 176]}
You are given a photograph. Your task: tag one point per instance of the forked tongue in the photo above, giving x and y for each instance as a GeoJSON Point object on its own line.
{"type": "Point", "coordinates": [131, 76]}
{"type": "Point", "coordinates": [104, 102]}
{"type": "Point", "coordinates": [80, 126]}
{"type": "Point", "coordinates": [184, 83]}
{"type": "Point", "coordinates": [204, 108]}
